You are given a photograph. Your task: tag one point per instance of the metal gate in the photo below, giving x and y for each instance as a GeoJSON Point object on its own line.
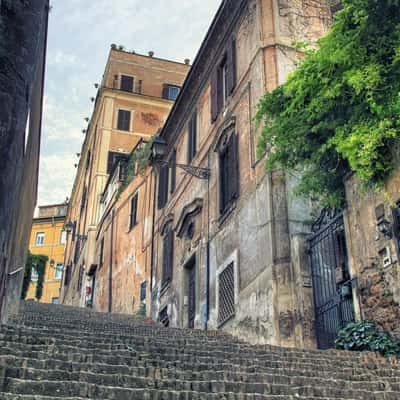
{"type": "Point", "coordinates": [332, 286]}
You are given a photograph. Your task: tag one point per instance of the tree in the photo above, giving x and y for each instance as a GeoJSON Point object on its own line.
{"type": "Point", "coordinates": [38, 262]}
{"type": "Point", "coordinates": [339, 112]}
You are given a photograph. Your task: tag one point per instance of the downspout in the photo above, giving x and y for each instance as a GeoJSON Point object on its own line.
{"type": "Point", "coordinates": [110, 268]}
{"type": "Point", "coordinates": [153, 228]}
{"type": "Point", "coordinates": [208, 250]}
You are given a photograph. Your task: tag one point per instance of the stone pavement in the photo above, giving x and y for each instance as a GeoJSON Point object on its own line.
{"type": "Point", "coordinates": [59, 352]}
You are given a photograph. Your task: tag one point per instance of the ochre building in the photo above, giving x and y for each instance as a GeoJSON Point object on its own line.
{"type": "Point", "coordinates": [48, 238]}
{"type": "Point", "coordinates": [132, 104]}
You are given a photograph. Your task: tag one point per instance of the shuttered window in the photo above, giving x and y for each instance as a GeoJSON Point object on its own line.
{"type": "Point", "coordinates": [223, 80]}
{"type": "Point", "coordinates": [163, 186]}
{"type": "Point", "coordinates": [229, 173]}
{"type": "Point", "coordinates": [133, 213]}
{"type": "Point", "coordinates": [173, 172]}
{"type": "Point", "coordinates": [192, 139]}
{"type": "Point", "coordinates": [113, 159]}
{"type": "Point", "coordinates": [124, 120]}
{"type": "Point", "coordinates": [168, 256]}
{"type": "Point", "coordinates": [127, 83]}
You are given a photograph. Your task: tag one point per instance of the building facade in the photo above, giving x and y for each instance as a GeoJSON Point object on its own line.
{"type": "Point", "coordinates": [230, 250]}
{"type": "Point", "coordinates": [48, 238]}
{"type": "Point", "coordinates": [23, 38]}
{"type": "Point", "coordinates": [133, 102]}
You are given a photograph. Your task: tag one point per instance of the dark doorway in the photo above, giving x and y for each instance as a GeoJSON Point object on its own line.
{"type": "Point", "coordinates": [332, 285]}
{"type": "Point", "coordinates": [191, 276]}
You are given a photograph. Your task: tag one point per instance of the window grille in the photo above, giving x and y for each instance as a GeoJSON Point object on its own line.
{"type": "Point", "coordinates": [226, 294]}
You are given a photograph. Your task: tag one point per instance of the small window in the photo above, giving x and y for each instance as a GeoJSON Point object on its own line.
{"type": "Point", "coordinates": [34, 275]}
{"type": "Point", "coordinates": [54, 300]}
{"type": "Point", "coordinates": [67, 277]}
{"type": "Point", "coordinates": [101, 257]}
{"type": "Point", "coordinates": [124, 120]}
{"type": "Point", "coordinates": [63, 237]}
{"type": "Point", "coordinates": [127, 83]}
{"type": "Point", "coordinates": [171, 92]}
{"type": "Point", "coordinates": [226, 294]}
{"type": "Point", "coordinates": [143, 291]}
{"type": "Point", "coordinates": [39, 241]}
{"type": "Point", "coordinates": [192, 140]}
{"type": "Point", "coordinates": [168, 256]}
{"type": "Point", "coordinates": [58, 271]}
{"type": "Point", "coordinates": [133, 214]}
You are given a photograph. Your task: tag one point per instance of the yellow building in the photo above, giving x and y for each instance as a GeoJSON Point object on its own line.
{"type": "Point", "coordinates": [48, 239]}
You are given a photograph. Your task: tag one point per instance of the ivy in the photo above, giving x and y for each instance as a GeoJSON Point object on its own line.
{"type": "Point", "coordinates": [339, 112]}
{"type": "Point", "coordinates": [38, 262]}
{"type": "Point", "coordinates": [136, 165]}
{"type": "Point", "coordinates": [365, 336]}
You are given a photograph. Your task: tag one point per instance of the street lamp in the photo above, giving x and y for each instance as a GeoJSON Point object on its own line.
{"type": "Point", "coordinates": [159, 151]}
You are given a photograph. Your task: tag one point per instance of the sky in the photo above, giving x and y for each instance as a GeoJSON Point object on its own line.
{"type": "Point", "coordinates": [80, 35]}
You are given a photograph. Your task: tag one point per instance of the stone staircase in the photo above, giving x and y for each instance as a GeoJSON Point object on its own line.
{"type": "Point", "coordinates": [59, 352]}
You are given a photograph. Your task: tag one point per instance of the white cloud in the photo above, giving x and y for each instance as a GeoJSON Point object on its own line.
{"type": "Point", "coordinates": [56, 177]}
{"type": "Point", "coordinates": [61, 59]}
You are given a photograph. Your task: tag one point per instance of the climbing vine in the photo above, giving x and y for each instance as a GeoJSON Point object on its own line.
{"type": "Point", "coordinates": [136, 165]}
{"type": "Point", "coordinates": [339, 112]}
{"type": "Point", "coordinates": [38, 262]}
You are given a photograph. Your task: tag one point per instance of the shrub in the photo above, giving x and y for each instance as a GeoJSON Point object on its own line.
{"type": "Point", "coordinates": [365, 336]}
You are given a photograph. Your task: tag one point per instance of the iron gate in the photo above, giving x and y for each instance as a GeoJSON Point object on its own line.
{"type": "Point", "coordinates": [332, 286]}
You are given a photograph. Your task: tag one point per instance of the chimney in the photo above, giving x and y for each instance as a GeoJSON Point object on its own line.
{"type": "Point", "coordinates": [151, 53]}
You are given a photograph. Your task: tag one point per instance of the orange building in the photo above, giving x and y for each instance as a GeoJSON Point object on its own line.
{"type": "Point", "coordinates": [48, 239]}
{"type": "Point", "coordinates": [133, 101]}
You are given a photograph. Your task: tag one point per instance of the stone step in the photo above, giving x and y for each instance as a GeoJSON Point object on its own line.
{"type": "Point", "coordinates": [23, 334]}
{"type": "Point", "coordinates": [243, 383]}
{"type": "Point", "coordinates": [167, 353]}
{"type": "Point", "coordinates": [83, 389]}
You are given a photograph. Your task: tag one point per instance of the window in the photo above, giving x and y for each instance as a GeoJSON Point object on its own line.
{"type": "Point", "coordinates": [58, 271]}
{"type": "Point", "coordinates": [101, 257]}
{"type": "Point", "coordinates": [83, 200]}
{"type": "Point", "coordinates": [168, 256]}
{"type": "Point", "coordinates": [127, 83]}
{"type": "Point", "coordinates": [133, 214]}
{"type": "Point", "coordinates": [226, 294]}
{"type": "Point", "coordinates": [170, 92]}
{"type": "Point", "coordinates": [67, 277]}
{"type": "Point", "coordinates": [229, 173]}
{"type": "Point", "coordinates": [223, 80]}
{"type": "Point", "coordinates": [39, 241]}
{"type": "Point", "coordinates": [173, 172]}
{"type": "Point", "coordinates": [163, 178]}
{"type": "Point", "coordinates": [54, 300]}
{"type": "Point", "coordinates": [63, 237]}
{"type": "Point", "coordinates": [88, 159]}
{"type": "Point", "coordinates": [114, 158]}
{"type": "Point", "coordinates": [124, 120]}
{"type": "Point", "coordinates": [80, 278]}
{"type": "Point", "coordinates": [143, 291]}
{"type": "Point", "coordinates": [34, 275]}
{"type": "Point", "coordinates": [163, 316]}
{"type": "Point", "coordinates": [396, 225]}
{"type": "Point", "coordinates": [192, 140]}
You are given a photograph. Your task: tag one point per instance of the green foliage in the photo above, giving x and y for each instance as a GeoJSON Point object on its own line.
{"type": "Point", "coordinates": [136, 165]}
{"type": "Point", "coordinates": [38, 262]}
{"type": "Point", "coordinates": [365, 336]}
{"type": "Point", "coordinates": [340, 110]}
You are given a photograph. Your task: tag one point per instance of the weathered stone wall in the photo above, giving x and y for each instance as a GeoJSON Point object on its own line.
{"type": "Point", "coordinates": [23, 30]}
{"type": "Point", "coordinates": [374, 257]}
{"type": "Point", "coordinates": [263, 233]}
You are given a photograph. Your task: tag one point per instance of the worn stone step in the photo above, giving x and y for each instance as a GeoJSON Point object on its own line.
{"type": "Point", "coordinates": [83, 389]}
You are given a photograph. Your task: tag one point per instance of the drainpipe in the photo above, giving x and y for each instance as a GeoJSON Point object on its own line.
{"type": "Point", "coordinates": [110, 269]}
{"type": "Point", "coordinates": [153, 228]}
{"type": "Point", "coordinates": [208, 250]}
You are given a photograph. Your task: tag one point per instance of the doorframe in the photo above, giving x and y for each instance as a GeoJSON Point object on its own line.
{"type": "Point", "coordinates": [191, 260]}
